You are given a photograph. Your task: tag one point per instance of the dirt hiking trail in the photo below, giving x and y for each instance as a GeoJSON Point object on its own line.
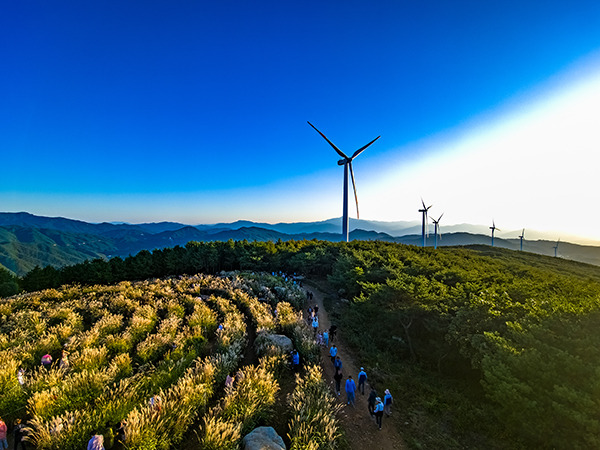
{"type": "Point", "coordinates": [362, 432]}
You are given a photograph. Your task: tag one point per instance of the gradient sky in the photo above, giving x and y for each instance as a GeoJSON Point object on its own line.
{"type": "Point", "coordinates": [196, 111]}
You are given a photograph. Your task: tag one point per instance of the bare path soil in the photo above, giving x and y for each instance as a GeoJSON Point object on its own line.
{"type": "Point", "coordinates": [361, 430]}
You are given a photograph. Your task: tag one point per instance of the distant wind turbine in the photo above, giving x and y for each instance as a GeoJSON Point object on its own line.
{"type": "Point", "coordinates": [347, 163]}
{"type": "Point", "coordinates": [436, 224]}
{"type": "Point", "coordinates": [521, 238]}
{"type": "Point", "coordinates": [424, 230]}
{"type": "Point", "coordinates": [494, 228]}
{"type": "Point", "coordinates": [556, 247]}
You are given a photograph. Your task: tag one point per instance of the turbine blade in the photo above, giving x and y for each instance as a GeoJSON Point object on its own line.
{"type": "Point", "coordinates": [362, 149]}
{"type": "Point", "coordinates": [354, 187]}
{"type": "Point", "coordinates": [341, 153]}
{"type": "Point", "coordinates": [440, 218]}
{"type": "Point", "coordinates": [423, 203]}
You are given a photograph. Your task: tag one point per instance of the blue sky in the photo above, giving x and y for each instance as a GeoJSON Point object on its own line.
{"type": "Point", "coordinates": [196, 111]}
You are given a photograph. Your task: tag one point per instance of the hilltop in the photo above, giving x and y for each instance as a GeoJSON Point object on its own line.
{"type": "Point", "coordinates": [482, 347]}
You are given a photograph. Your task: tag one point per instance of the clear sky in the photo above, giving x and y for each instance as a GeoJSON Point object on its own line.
{"type": "Point", "coordinates": [196, 111]}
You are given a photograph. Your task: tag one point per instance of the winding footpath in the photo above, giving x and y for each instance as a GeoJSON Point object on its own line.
{"type": "Point", "coordinates": [361, 430]}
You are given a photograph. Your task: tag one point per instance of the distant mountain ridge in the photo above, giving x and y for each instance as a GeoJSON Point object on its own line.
{"type": "Point", "coordinates": [27, 240]}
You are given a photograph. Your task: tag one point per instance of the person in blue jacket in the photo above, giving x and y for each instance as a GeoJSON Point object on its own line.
{"type": "Point", "coordinates": [362, 378]}
{"type": "Point", "coordinates": [337, 364]}
{"type": "Point", "coordinates": [378, 411]}
{"type": "Point", "coordinates": [295, 360]}
{"type": "Point", "coordinates": [387, 402]}
{"type": "Point", "coordinates": [333, 353]}
{"type": "Point", "coordinates": [350, 390]}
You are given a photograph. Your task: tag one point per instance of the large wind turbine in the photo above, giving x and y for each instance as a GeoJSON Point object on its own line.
{"type": "Point", "coordinates": [494, 228]}
{"type": "Point", "coordinates": [423, 211]}
{"type": "Point", "coordinates": [436, 224]}
{"type": "Point", "coordinates": [347, 163]}
{"type": "Point", "coordinates": [521, 238]}
{"type": "Point", "coordinates": [556, 247]}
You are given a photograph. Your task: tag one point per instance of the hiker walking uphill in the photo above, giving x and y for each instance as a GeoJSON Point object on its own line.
{"type": "Point", "coordinates": [372, 401]}
{"type": "Point", "coordinates": [387, 403]}
{"type": "Point", "coordinates": [338, 380]}
{"type": "Point", "coordinates": [378, 411]}
{"type": "Point", "coordinates": [333, 353]}
{"type": "Point", "coordinates": [350, 390]}
{"type": "Point", "coordinates": [362, 377]}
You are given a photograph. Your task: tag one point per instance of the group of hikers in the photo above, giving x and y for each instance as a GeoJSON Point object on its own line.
{"type": "Point", "coordinates": [376, 405]}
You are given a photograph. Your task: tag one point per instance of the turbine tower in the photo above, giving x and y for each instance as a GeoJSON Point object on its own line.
{"type": "Point", "coordinates": [347, 163]}
{"type": "Point", "coordinates": [556, 247]}
{"type": "Point", "coordinates": [423, 211]}
{"type": "Point", "coordinates": [521, 238]}
{"type": "Point", "coordinates": [494, 228]}
{"type": "Point", "coordinates": [436, 224]}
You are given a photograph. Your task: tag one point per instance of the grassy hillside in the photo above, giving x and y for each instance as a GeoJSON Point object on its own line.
{"type": "Point", "coordinates": [173, 341]}
{"type": "Point", "coordinates": [483, 347]}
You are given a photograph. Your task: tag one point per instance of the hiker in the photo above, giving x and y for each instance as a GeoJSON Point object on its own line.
{"type": "Point", "coordinates": [350, 390]}
{"type": "Point", "coordinates": [96, 442]}
{"type": "Point", "coordinates": [333, 353]}
{"type": "Point", "coordinates": [64, 361]}
{"type": "Point", "coordinates": [325, 338]}
{"type": "Point", "coordinates": [371, 401]}
{"type": "Point", "coordinates": [320, 339]}
{"type": "Point", "coordinates": [378, 411]}
{"type": "Point", "coordinates": [19, 434]}
{"type": "Point", "coordinates": [47, 361]}
{"type": "Point", "coordinates": [332, 331]}
{"type": "Point", "coordinates": [316, 309]}
{"type": "Point", "coordinates": [315, 325]}
{"type": "Point", "coordinates": [229, 382]}
{"type": "Point", "coordinates": [295, 361]}
{"type": "Point", "coordinates": [337, 363]}
{"type": "Point", "coordinates": [362, 377]}
{"type": "Point", "coordinates": [3, 429]}
{"type": "Point", "coordinates": [387, 402]}
{"type": "Point", "coordinates": [338, 379]}
{"type": "Point", "coordinates": [155, 402]}
{"type": "Point", "coordinates": [120, 433]}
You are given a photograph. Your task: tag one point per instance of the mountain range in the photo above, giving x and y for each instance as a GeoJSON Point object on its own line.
{"type": "Point", "coordinates": [27, 240]}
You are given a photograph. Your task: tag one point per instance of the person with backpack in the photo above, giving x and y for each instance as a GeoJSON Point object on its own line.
{"type": "Point", "coordinates": [19, 434]}
{"type": "Point", "coordinates": [362, 378]}
{"type": "Point", "coordinates": [332, 331]}
{"type": "Point", "coordinates": [378, 410]}
{"type": "Point", "coordinates": [371, 401]}
{"type": "Point", "coordinates": [338, 380]}
{"type": "Point", "coordinates": [337, 363]}
{"type": "Point", "coordinates": [387, 402]}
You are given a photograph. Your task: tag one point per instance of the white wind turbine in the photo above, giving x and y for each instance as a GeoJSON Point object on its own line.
{"type": "Point", "coordinates": [494, 228]}
{"type": "Point", "coordinates": [425, 226]}
{"type": "Point", "coordinates": [347, 163]}
{"type": "Point", "coordinates": [436, 232]}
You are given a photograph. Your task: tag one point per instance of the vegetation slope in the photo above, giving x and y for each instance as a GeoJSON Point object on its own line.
{"type": "Point", "coordinates": [482, 347]}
